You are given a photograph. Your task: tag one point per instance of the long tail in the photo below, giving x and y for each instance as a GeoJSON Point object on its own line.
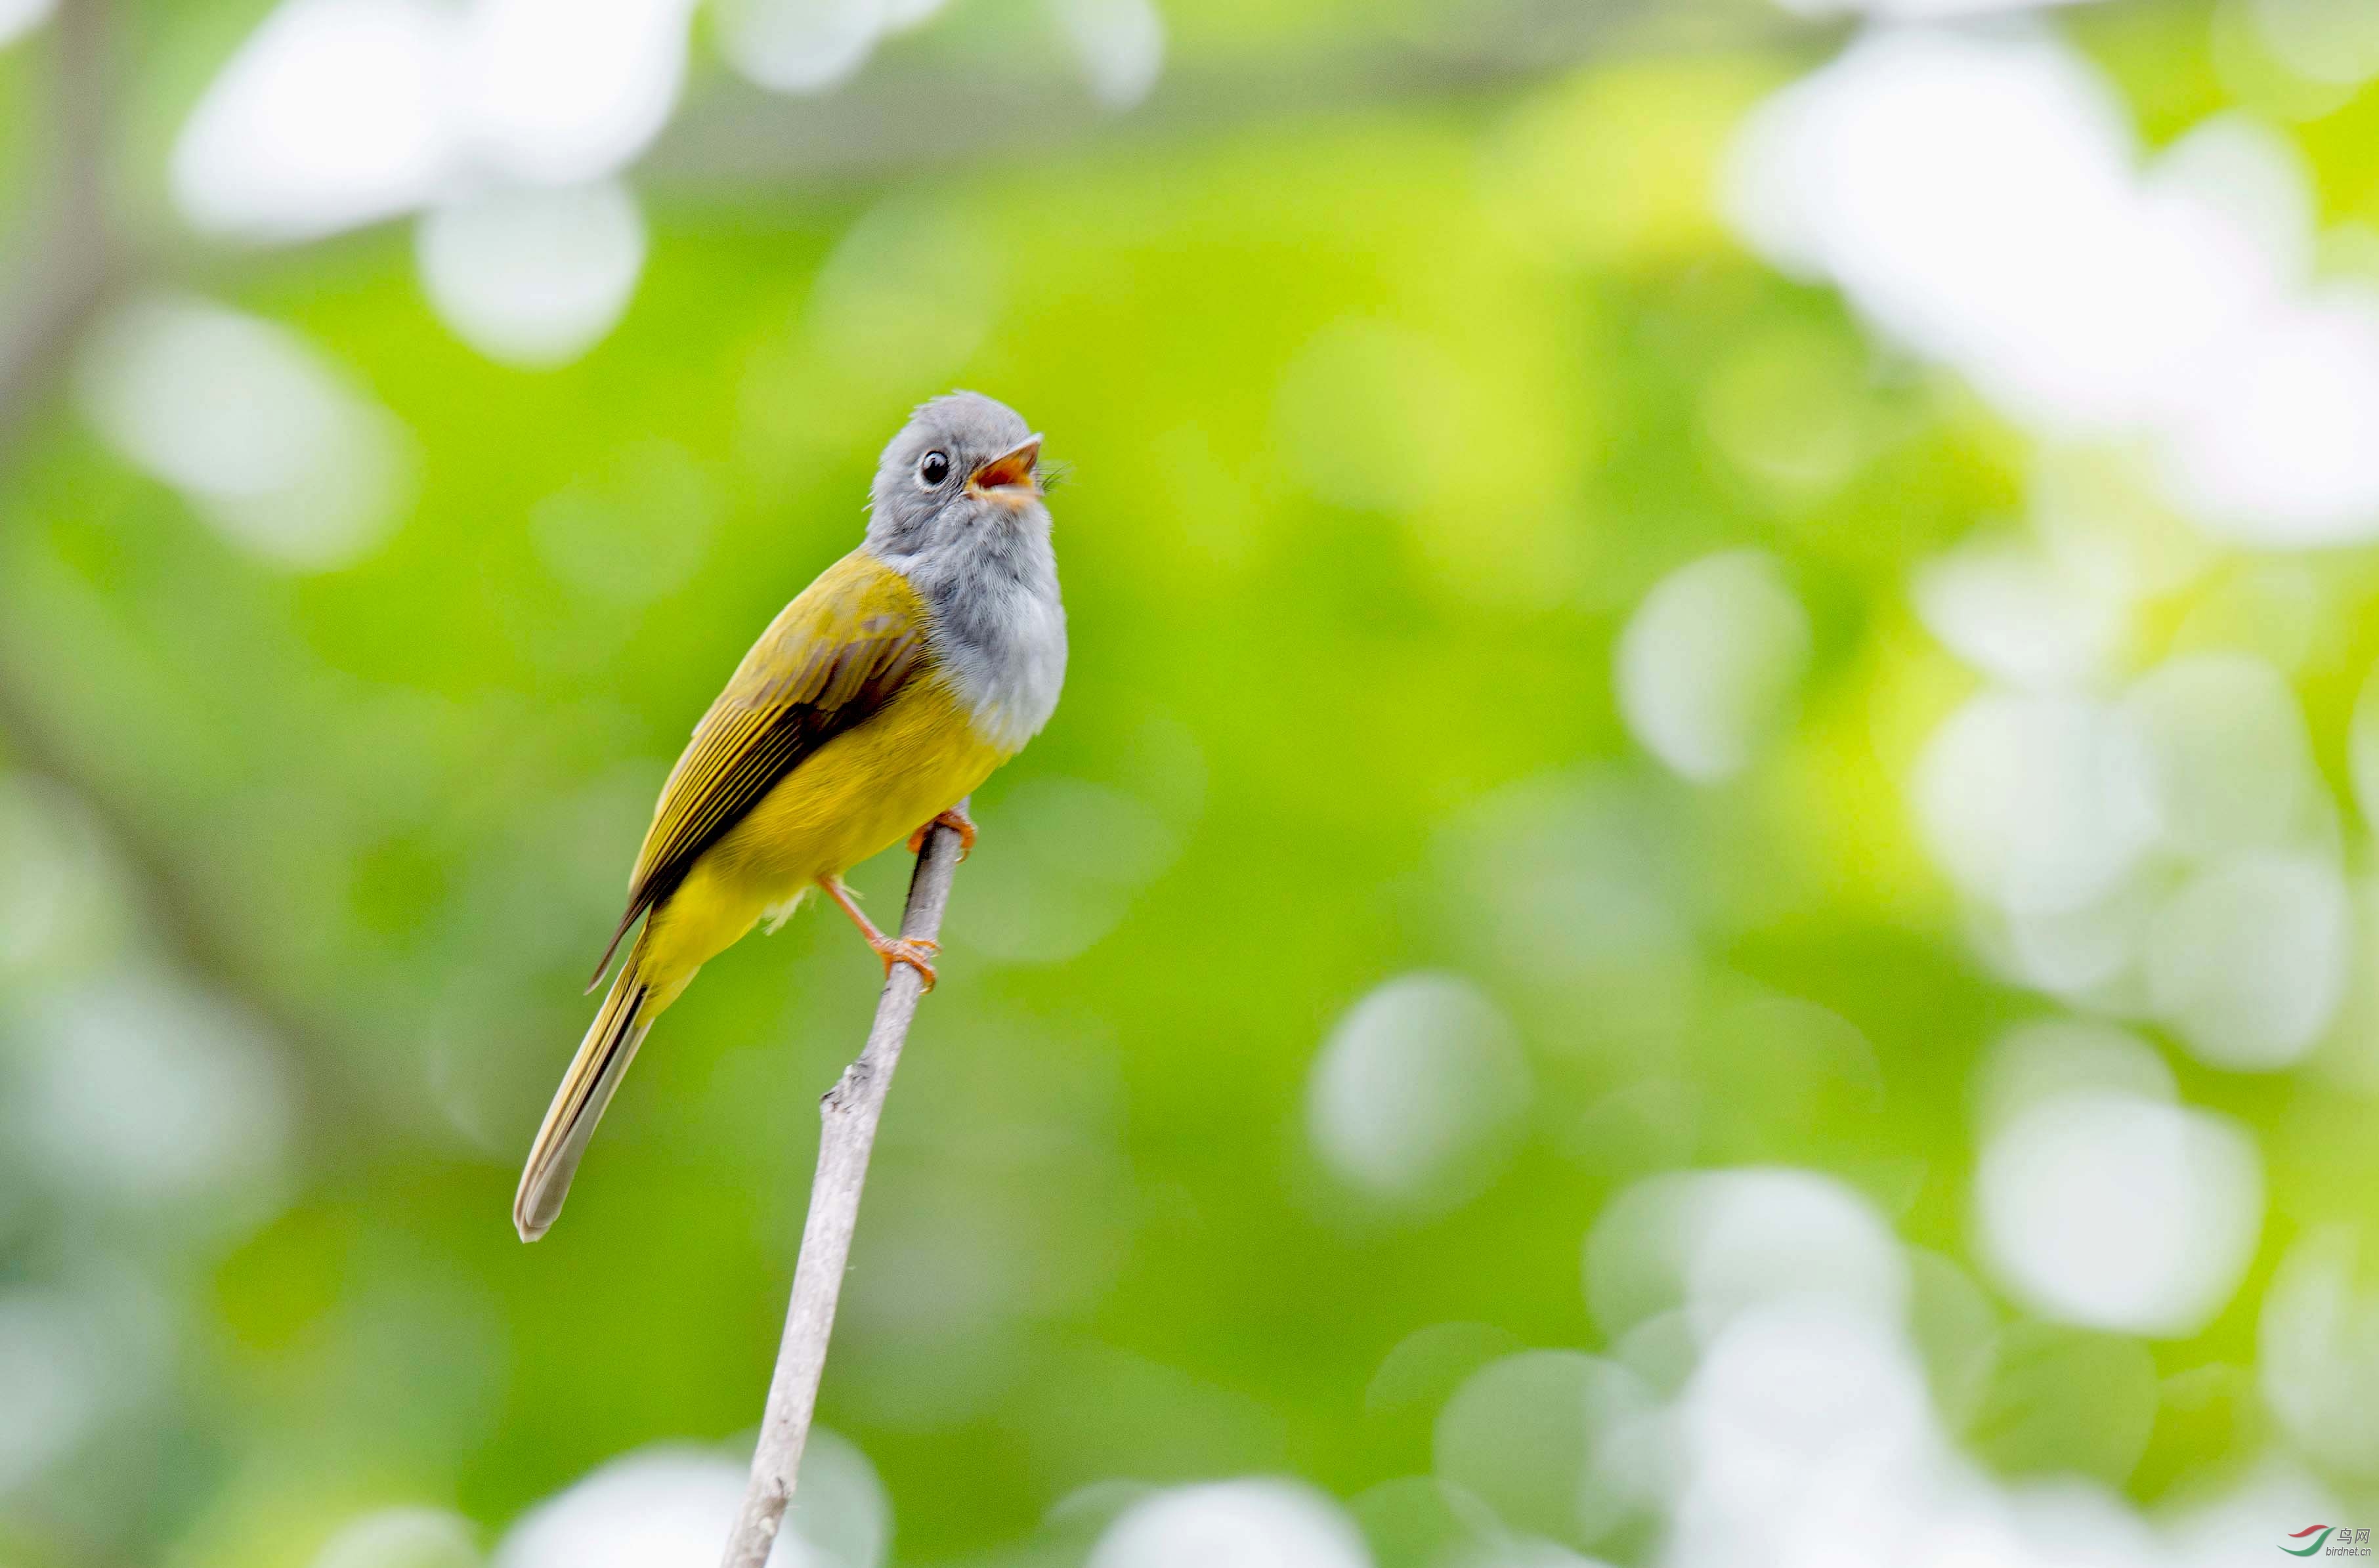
{"type": "Point", "coordinates": [602, 1060]}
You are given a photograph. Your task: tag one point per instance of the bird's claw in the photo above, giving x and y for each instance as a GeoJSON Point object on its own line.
{"type": "Point", "coordinates": [954, 819]}
{"type": "Point", "coordinates": [911, 950]}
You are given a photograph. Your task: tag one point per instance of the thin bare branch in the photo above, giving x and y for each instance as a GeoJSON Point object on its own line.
{"type": "Point", "coordinates": [849, 1113]}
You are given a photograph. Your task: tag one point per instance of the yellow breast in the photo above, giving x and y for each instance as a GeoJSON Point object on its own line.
{"type": "Point", "coordinates": [863, 792]}
{"type": "Point", "coordinates": [857, 795]}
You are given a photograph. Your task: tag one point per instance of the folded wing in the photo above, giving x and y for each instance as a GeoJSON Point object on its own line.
{"type": "Point", "coordinates": [835, 656]}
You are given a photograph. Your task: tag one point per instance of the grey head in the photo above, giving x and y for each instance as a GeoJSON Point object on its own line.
{"type": "Point", "coordinates": [956, 509]}
{"type": "Point", "coordinates": [964, 465]}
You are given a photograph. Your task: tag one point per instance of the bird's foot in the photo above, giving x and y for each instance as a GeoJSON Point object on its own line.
{"type": "Point", "coordinates": [957, 821]}
{"type": "Point", "coordinates": [911, 950]}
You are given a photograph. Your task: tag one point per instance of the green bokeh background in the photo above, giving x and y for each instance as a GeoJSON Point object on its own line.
{"type": "Point", "coordinates": [1381, 418]}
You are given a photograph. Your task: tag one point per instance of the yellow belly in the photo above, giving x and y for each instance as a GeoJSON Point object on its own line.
{"type": "Point", "coordinates": [861, 793]}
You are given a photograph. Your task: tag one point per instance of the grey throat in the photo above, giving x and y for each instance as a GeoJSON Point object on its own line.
{"type": "Point", "coordinates": [998, 624]}
{"type": "Point", "coordinates": [979, 559]}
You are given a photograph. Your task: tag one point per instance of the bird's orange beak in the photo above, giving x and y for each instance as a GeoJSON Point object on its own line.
{"type": "Point", "coordinates": [1008, 478]}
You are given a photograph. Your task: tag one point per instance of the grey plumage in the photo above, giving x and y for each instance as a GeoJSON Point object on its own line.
{"type": "Point", "coordinates": [982, 565]}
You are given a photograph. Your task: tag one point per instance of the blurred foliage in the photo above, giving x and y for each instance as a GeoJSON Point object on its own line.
{"type": "Point", "coordinates": [1380, 425]}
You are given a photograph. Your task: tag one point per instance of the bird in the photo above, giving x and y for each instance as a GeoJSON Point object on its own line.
{"type": "Point", "coordinates": [874, 702]}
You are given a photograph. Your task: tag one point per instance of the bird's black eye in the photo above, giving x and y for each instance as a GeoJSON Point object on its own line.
{"type": "Point", "coordinates": [933, 469]}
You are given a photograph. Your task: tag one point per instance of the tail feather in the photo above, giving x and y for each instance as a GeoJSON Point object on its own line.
{"type": "Point", "coordinates": [594, 1073]}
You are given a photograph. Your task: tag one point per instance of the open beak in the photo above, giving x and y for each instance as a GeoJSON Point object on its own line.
{"type": "Point", "coordinates": [1008, 478]}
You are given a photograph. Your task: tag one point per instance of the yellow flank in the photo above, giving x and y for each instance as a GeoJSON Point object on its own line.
{"type": "Point", "coordinates": [857, 795]}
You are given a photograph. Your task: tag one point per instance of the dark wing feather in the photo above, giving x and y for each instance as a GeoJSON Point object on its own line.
{"type": "Point", "coordinates": [834, 657]}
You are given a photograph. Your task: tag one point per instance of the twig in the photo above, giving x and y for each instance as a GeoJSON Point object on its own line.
{"type": "Point", "coordinates": [849, 1113]}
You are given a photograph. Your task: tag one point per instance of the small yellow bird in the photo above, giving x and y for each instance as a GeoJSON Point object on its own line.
{"type": "Point", "coordinates": [872, 704]}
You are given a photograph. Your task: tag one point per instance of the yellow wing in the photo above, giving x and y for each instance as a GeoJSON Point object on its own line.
{"type": "Point", "coordinates": [831, 658]}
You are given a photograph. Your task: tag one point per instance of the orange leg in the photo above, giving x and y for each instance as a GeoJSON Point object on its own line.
{"type": "Point", "coordinates": [955, 819]}
{"type": "Point", "coordinates": [911, 950]}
